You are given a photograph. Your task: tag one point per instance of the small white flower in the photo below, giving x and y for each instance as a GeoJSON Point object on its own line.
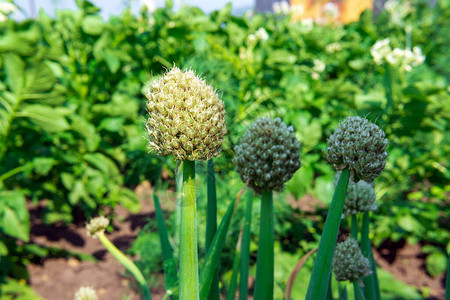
{"type": "Point", "coordinates": [150, 5]}
{"type": "Point", "coordinates": [319, 66]}
{"type": "Point", "coordinates": [251, 38]}
{"type": "Point", "coordinates": [308, 23]}
{"type": "Point", "coordinates": [398, 10]}
{"type": "Point", "coordinates": [7, 8]}
{"type": "Point", "coordinates": [419, 58]}
{"type": "Point", "coordinates": [284, 5]}
{"type": "Point", "coordinates": [3, 18]}
{"type": "Point", "coordinates": [334, 47]}
{"type": "Point", "coordinates": [331, 10]}
{"type": "Point", "coordinates": [297, 9]}
{"type": "Point", "coordinates": [315, 76]}
{"type": "Point", "coordinates": [262, 34]}
{"type": "Point", "coordinates": [391, 58]}
{"type": "Point", "coordinates": [380, 49]}
{"type": "Point", "coordinates": [276, 8]}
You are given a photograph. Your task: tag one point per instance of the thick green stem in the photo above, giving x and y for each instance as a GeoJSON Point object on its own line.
{"type": "Point", "coordinates": [245, 249]}
{"type": "Point", "coordinates": [354, 228]}
{"type": "Point", "coordinates": [358, 292]}
{"type": "Point", "coordinates": [317, 288]}
{"type": "Point", "coordinates": [189, 288]}
{"type": "Point", "coordinates": [447, 281]}
{"type": "Point", "coordinates": [211, 223]}
{"type": "Point", "coordinates": [128, 264]}
{"type": "Point", "coordinates": [371, 288]}
{"type": "Point", "coordinates": [265, 260]}
{"type": "Point", "coordinates": [234, 276]}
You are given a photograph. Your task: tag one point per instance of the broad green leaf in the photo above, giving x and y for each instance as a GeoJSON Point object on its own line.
{"type": "Point", "coordinates": [93, 25]}
{"type": "Point", "coordinates": [281, 56]}
{"type": "Point", "coordinates": [13, 226]}
{"type": "Point", "coordinates": [111, 60]}
{"type": "Point", "coordinates": [14, 68]}
{"type": "Point", "coordinates": [129, 200]}
{"type": "Point", "coordinates": [48, 118]}
{"type": "Point", "coordinates": [43, 165]}
{"type": "Point", "coordinates": [436, 263]}
{"type": "Point", "coordinates": [3, 249]}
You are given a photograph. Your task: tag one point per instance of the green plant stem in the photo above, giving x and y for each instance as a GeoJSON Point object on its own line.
{"type": "Point", "coordinates": [358, 292]}
{"type": "Point", "coordinates": [371, 288]}
{"type": "Point", "coordinates": [354, 228]}
{"type": "Point", "coordinates": [128, 264]}
{"type": "Point", "coordinates": [234, 276]}
{"type": "Point", "coordinates": [245, 249]}
{"type": "Point", "coordinates": [447, 281]}
{"type": "Point", "coordinates": [211, 223]}
{"type": "Point", "coordinates": [330, 289]}
{"type": "Point", "coordinates": [170, 269]}
{"type": "Point", "coordinates": [317, 288]}
{"type": "Point", "coordinates": [342, 291]}
{"type": "Point", "coordinates": [265, 259]}
{"type": "Point", "coordinates": [189, 288]}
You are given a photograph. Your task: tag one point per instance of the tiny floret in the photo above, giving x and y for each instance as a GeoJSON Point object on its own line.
{"type": "Point", "coordinates": [267, 155]}
{"type": "Point", "coordinates": [85, 293]}
{"type": "Point", "coordinates": [359, 145]}
{"type": "Point", "coordinates": [360, 198]}
{"type": "Point", "coordinates": [348, 261]}
{"type": "Point", "coordinates": [186, 117]}
{"type": "Point", "coordinates": [96, 226]}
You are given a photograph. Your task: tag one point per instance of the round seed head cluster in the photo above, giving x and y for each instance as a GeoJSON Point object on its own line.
{"type": "Point", "coordinates": [359, 145]}
{"type": "Point", "coordinates": [96, 226]}
{"type": "Point", "coordinates": [85, 293]}
{"type": "Point", "coordinates": [267, 155]}
{"type": "Point", "coordinates": [348, 261]}
{"type": "Point", "coordinates": [186, 117]}
{"type": "Point", "coordinates": [360, 198]}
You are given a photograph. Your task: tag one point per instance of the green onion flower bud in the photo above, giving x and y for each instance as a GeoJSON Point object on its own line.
{"type": "Point", "coordinates": [359, 145]}
{"type": "Point", "coordinates": [85, 293]}
{"type": "Point", "coordinates": [186, 117]}
{"type": "Point", "coordinates": [348, 261]}
{"type": "Point", "coordinates": [96, 226]}
{"type": "Point", "coordinates": [360, 198]}
{"type": "Point", "coordinates": [267, 155]}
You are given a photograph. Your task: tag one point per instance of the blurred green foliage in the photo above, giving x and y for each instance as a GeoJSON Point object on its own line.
{"type": "Point", "coordinates": [72, 111]}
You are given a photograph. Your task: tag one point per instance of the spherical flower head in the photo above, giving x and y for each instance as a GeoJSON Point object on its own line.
{"type": "Point", "coordinates": [186, 117]}
{"type": "Point", "coordinates": [267, 155]}
{"type": "Point", "coordinates": [360, 198]}
{"type": "Point", "coordinates": [359, 145]}
{"type": "Point", "coordinates": [96, 226]}
{"type": "Point", "coordinates": [85, 293]}
{"type": "Point", "coordinates": [348, 261]}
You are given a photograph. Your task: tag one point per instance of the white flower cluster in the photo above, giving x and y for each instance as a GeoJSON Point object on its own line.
{"type": "Point", "coordinates": [150, 5]}
{"type": "Point", "coordinates": [86, 293]}
{"type": "Point", "coordinates": [405, 59]}
{"type": "Point", "coordinates": [6, 8]}
{"type": "Point", "coordinates": [318, 67]}
{"type": "Point", "coordinates": [307, 23]}
{"type": "Point", "coordinates": [331, 10]}
{"type": "Point", "coordinates": [260, 35]}
{"type": "Point", "coordinates": [283, 8]}
{"type": "Point", "coordinates": [333, 47]}
{"type": "Point", "coordinates": [398, 10]}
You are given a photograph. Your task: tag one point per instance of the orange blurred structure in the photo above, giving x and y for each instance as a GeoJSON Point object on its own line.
{"type": "Point", "coordinates": [320, 11]}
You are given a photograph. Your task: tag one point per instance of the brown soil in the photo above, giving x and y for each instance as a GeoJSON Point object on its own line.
{"type": "Point", "coordinates": [59, 278]}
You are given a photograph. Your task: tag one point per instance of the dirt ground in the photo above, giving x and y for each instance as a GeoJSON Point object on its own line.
{"type": "Point", "coordinates": [59, 278]}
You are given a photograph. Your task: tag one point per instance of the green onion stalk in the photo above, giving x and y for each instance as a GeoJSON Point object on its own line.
{"type": "Point", "coordinates": [186, 119]}
{"type": "Point", "coordinates": [266, 157]}
{"type": "Point", "coordinates": [96, 228]}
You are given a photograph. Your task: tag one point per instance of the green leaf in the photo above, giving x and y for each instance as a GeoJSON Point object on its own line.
{"type": "Point", "coordinates": [281, 57]}
{"type": "Point", "coordinates": [78, 192]}
{"type": "Point", "coordinates": [436, 263]}
{"type": "Point", "coordinates": [129, 200]}
{"type": "Point", "coordinates": [410, 224]}
{"type": "Point", "coordinates": [112, 124]}
{"type": "Point", "coordinates": [111, 60]}
{"type": "Point", "coordinates": [48, 118]}
{"type": "Point", "coordinates": [93, 25]}
{"type": "Point", "coordinates": [14, 68]}
{"type": "Point", "coordinates": [13, 226]}
{"type": "Point", "coordinates": [3, 249]}
{"type": "Point", "coordinates": [43, 165]}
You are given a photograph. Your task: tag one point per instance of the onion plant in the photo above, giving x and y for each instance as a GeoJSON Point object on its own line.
{"type": "Point", "coordinates": [186, 120]}
{"type": "Point", "coordinates": [357, 149]}
{"type": "Point", "coordinates": [267, 156]}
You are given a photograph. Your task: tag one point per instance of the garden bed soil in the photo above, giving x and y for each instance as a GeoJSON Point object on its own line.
{"type": "Point", "coordinates": [59, 278]}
